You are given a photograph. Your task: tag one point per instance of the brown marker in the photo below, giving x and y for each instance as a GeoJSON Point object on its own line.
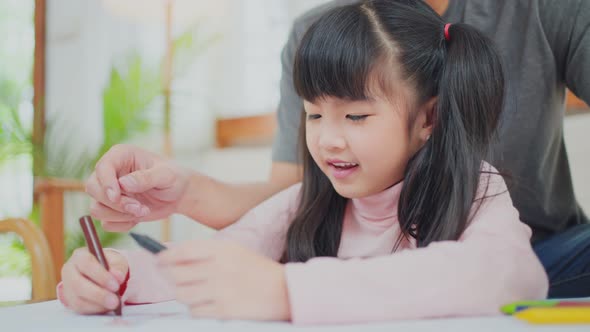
{"type": "Point", "coordinates": [95, 248]}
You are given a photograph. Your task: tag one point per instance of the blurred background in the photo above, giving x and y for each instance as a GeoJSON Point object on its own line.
{"type": "Point", "coordinates": [195, 80]}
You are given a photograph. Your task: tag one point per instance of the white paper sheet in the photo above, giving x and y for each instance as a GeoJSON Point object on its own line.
{"type": "Point", "coordinates": [173, 317]}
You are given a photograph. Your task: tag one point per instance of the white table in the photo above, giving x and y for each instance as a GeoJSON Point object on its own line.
{"type": "Point", "coordinates": [172, 317]}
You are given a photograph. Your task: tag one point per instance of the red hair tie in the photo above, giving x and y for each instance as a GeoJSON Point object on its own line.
{"type": "Point", "coordinates": [447, 36]}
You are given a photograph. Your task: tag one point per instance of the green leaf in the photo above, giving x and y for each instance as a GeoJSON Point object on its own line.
{"type": "Point", "coordinates": [126, 102]}
{"type": "Point", "coordinates": [15, 261]}
{"type": "Point", "coordinates": [14, 138]}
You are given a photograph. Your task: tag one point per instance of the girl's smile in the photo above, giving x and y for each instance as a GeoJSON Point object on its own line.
{"type": "Point", "coordinates": [341, 169]}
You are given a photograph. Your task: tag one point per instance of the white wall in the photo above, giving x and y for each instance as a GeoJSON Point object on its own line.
{"type": "Point", "coordinates": [576, 129]}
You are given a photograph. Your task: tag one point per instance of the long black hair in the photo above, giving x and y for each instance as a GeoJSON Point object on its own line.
{"type": "Point", "coordinates": [341, 55]}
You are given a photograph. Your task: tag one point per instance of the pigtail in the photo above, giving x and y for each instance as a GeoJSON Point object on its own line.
{"type": "Point", "coordinates": [441, 180]}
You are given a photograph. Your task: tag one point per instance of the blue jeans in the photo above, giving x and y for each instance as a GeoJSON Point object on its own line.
{"type": "Point", "coordinates": [566, 258]}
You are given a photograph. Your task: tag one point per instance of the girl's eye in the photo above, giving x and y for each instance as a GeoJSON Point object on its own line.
{"type": "Point", "coordinates": [313, 116]}
{"type": "Point", "coordinates": [356, 117]}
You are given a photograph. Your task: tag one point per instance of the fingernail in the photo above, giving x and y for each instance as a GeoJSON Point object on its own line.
{"type": "Point", "coordinates": [144, 211]}
{"type": "Point", "coordinates": [111, 194]}
{"type": "Point", "coordinates": [133, 209]}
{"type": "Point", "coordinates": [111, 301]}
{"type": "Point", "coordinates": [128, 181]}
{"type": "Point", "coordinates": [113, 285]}
{"type": "Point", "coordinates": [118, 275]}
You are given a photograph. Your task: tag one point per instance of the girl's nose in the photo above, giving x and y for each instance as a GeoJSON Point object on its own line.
{"type": "Point", "coordinates": [331, 139]}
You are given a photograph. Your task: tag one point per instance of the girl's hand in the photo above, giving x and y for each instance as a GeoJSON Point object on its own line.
{"type": "Point", "coordinates": [88, 288]}
{"type": "Point", "coordinates": [218, 279]}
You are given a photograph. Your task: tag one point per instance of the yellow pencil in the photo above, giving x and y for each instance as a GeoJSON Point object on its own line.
{"type": "Point", "coordinates": [556, 315]}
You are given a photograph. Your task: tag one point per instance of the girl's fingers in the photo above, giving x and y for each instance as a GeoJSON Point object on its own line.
{"type": "Point", "coordinates": [88, 292]}
{"type": "Point", "coordinates": [83, 296]}
{"type": "Point", "coordinates": [186, 274]}
{"type": "Point", "coordinates": [84, 307]}
{"type": "Point", "coordinates": [205, 310]}
{"type": "Point", "coordinates": [188, 252]}
{"type": "Point", "coordinates": [68, 272]}
{"type": "Point", "coordinates": [90, 268]}
{"type": "Point", "coordinates": [88, 288]}
{"type": "Point", "coordinates": [120, 276]}
{"type": "Point", "coordinates": [194, 294]}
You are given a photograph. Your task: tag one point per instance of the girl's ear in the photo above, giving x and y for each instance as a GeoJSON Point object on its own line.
{"type": "Point", "coordinates": [426, 119]}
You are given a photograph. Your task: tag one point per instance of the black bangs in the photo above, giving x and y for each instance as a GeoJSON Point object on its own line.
{"type": "Point", "coordinates": [335, 57]}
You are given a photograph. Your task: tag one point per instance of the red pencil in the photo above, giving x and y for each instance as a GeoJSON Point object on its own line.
{"type": "Point", "coordinates": [94, 246]}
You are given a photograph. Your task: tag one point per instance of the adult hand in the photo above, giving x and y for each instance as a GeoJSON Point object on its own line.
{"type": "Point", "coordinates": [87, 287]}
{"type": "Point", "coordinates": [218, 279]}
{"type": "Point", "coordinates": [130, 185]}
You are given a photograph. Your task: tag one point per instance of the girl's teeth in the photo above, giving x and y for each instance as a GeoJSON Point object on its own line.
{"type": "Point", "coordinates": [344, 164]}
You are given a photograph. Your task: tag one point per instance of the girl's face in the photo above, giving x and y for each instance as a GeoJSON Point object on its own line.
{"type": "Point", "coordinates": [362, 146]}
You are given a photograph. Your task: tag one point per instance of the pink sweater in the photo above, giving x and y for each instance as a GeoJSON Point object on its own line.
{"type": "Point", "coordinates": [490, 265]}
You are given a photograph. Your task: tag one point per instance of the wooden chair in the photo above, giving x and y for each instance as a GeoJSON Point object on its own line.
{"type": "Point", "coordinates": [43, 270]}
{"type": "Point", "coordinates": [50, 193]}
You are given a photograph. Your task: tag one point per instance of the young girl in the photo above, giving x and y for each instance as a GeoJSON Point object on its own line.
{"type": "Point", "coordinates": [398, 215]}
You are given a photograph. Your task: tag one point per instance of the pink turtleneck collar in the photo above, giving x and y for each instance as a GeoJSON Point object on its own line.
{"type": "Point", "coordinates": [378, 207]}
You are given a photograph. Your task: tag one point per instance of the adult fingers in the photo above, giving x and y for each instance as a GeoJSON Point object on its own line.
{"type": "Point", "coordinates": [125, 204]}
{"type": "Point", "coordinates": [119, 226]}
{"type": "Point", "coordinates": [107, 169]}
{"type": "Point", "coordinates": [158, 177]}
{"type": "Point", "coordinates": [105, 213]}
{"type": "Point", "coordinates": [94, 190]}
